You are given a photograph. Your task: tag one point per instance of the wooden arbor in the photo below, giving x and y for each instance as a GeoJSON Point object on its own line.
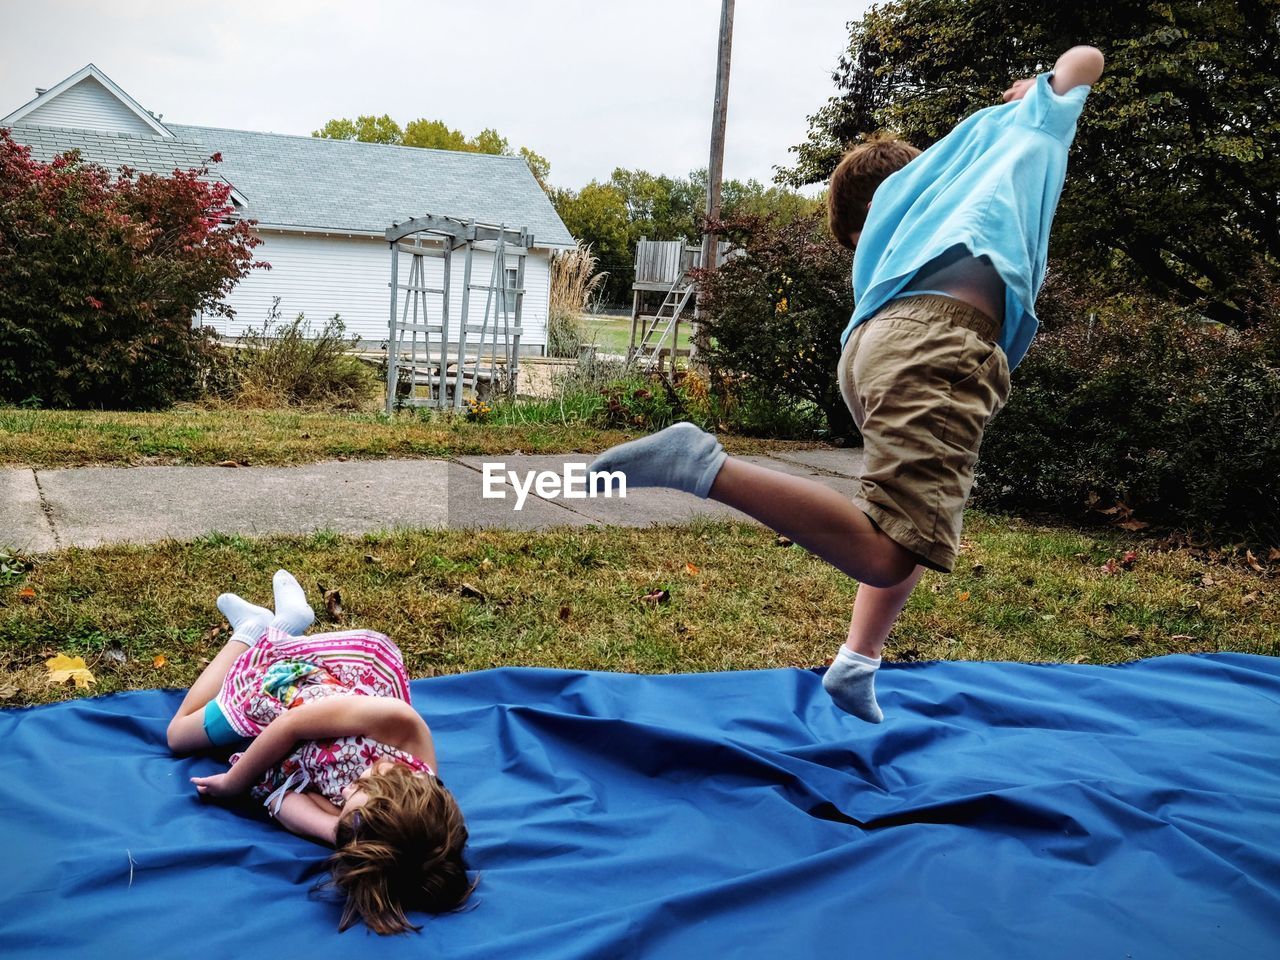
{"type": "Point", "coordinates": [443, 351]}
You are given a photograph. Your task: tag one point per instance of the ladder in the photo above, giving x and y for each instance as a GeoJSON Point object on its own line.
{"type": "Point", "coordinates": [657, 329]}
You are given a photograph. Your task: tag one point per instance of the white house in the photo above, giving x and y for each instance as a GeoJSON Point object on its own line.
{"type": "Point", "coordinates": [321, 206]}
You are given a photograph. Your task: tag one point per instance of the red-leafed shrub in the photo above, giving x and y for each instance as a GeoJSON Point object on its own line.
{"type": "Point", "coordinates": [101, 275]}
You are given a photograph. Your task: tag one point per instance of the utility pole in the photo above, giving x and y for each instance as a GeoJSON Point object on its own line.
{"type": "Point", "coordinates": [719, 114]}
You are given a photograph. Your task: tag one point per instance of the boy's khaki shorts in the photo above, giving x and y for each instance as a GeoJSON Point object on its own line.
{"type": "Point", "coordinates": [922, 378]}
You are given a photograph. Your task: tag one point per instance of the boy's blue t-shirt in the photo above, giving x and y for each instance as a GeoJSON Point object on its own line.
{"type": "Point", "coordinates": [991, 185]}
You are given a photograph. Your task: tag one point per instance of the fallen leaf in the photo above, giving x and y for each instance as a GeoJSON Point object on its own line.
{"type": "Point", "coordinates": [1129, 559]}
{"type": "Point", "coordinates": [962, 596]}
{"type": "Point", "coordinates": [226, 463]}
{"type": "Point", "coordinates": [370, 558]}
{"type": "Point", "coordinates": [565, 613]}
{"type": "Point", "coordinates": [471, 592]}
{"type": "Point", "coordinates": [159, 661]}
{"type": "Point", "coordinates": [63, 668]}
{"type": "Point", "coordinates": [1252, 561]}
{"type": "Point", "coordinates": [781, 541]}
{"type": "Point", "coordinates": [1184, 637]}
{"type": "Point", "coordinates": [656, 597]}
{"type": "Point", "coordinates": [8, 691]}
{"type": "Point", "coordinates": [1273, 555]}
{"type": "Point", "coordinates": [333, 604]}
{"type": "Point", "coordinates": [1110, 568]}
{"type": "Point", "coordinates": [1249, 598]}
{"type": "Point", "coordinates": [1133, 525]}
{"type": "Point", "coordinates": [27, 595]}
{"type": "Point", "coordinates": [690, 569]}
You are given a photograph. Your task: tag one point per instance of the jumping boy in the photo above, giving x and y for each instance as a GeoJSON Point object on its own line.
{"type": "Point", "coordinates": [950, 247]}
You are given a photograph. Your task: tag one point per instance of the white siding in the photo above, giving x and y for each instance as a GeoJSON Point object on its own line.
{"type": "Point", "coordinates": [88, 105]}
{"type": "Point", "coordinates": [319, 276]}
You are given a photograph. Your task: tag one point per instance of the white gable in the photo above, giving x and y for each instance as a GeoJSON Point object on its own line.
{"type": "Point", "coordinates": [88, 100]}
{"type": "Point", "coordinates": [89, 106]}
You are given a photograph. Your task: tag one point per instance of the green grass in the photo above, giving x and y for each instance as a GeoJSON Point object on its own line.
{"type": "Point", "coordinates": [200, 436]}
{"type": "Point", "coordinates": [572, 599]}
{"type": "Point", "coordinates": [613, 334]}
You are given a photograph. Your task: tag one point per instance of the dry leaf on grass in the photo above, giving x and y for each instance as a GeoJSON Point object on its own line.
{"type": "Point", "coordinates": [333, 604]}
{"type": "Point", "coordinates": [471, 592]}
{"type": "Point", "coordinates": [159, 661]}
{"type": "Point", "coordinates": [27, 595]}
{"type": "Point", "coordinates": [656, 597]}
{"type": "Point", "coordinates": [63, 668]}
{"type": "Point", "coordinates": [690, 569]}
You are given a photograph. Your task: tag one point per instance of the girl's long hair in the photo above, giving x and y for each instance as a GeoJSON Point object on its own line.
{"type": "Point", "coordinates": [402, 850]}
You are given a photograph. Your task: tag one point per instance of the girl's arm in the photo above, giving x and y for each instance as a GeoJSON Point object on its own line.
{"type": "Point", "coordinates": [387, 719]}
{"type": "Point", "coordinates": [301, 815]}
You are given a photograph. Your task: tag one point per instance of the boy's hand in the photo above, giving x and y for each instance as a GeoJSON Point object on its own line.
{"type": "Point", "coordinates": [1018, 90]}
{"type": "Point", "coordinates": [217, 786]}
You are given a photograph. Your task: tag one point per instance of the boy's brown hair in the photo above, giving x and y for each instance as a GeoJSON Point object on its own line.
{"type": "Point", "coordinates": [862, 169]}
{"type": "Point", "coordinates": [401, 850]}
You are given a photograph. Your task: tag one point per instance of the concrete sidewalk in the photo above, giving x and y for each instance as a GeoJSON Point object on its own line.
{"type": "Point", "coordinates": [44, 510]}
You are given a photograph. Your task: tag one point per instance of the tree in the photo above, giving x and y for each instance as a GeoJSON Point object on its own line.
{"type": "Point", "coordinates": [1175, 169]}
{"type": "Point", "coordinates": [660, 207]}
{"type": "Point", "coordinates": [597, 215]}
{"type": "Point", "coordinates": [366, 129]}
{"type": "Point", "coordinates": [434, 135]}
{"type": "Point", "coordinates": [100, 277]}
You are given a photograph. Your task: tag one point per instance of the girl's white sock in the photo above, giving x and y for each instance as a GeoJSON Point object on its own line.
{"type": "Point", "coordinates": [248, 621]}
{"type": "Point", "coordinates": [293, 613]}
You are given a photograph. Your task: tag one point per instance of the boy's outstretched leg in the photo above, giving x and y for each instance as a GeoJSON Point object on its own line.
{"type": "Point", "coordinates": [851, 678]}
{"type": "Point", "coordinates": [681, 457]}
{"type": "Point", "coordinates": [818, 518]}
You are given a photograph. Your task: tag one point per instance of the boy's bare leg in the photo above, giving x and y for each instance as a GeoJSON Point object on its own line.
{"type": "Point", "coordinates": [816, 517]}
{"type": "Point", "coordinates": [851, 678]}
{"type": "Point", "coordinates": [875, 611]}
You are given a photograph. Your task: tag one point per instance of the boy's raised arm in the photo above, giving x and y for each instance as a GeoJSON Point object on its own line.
{"type": "Point", "coordinates": [1078, 66]}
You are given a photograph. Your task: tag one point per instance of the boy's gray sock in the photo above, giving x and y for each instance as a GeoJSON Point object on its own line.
{"type": "Point", "coordinates": [248, 621]}
{"type": "Point", "coordinates": [851, 681]}
{"type": "Point", "coordinates": [293, 613]}
{"type": "Point", "coordinates": [681, 457]}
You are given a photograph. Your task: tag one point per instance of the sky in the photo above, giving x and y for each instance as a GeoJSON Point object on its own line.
{"type": "Point", "coordinates": [589, 85]}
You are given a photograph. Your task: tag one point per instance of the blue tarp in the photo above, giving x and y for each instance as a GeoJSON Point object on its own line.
{"type": "Point", "coordinates": [1002, 810]}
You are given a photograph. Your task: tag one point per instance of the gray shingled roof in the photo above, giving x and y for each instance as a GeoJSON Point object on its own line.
{"type": "Point", "coordinates": [146, 154]}
{"type": "Point", "coordinates": [338, 185]}
{"type": "Point", "coordinates": [297, 181]}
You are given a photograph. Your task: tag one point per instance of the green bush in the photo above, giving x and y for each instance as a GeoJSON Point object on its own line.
{"type": "Point", "coordinates": [774, 316]}
{"type": "Point", "coordinates": [1146, 413]}
{"type": "Point", "coordinates": [287, 365]}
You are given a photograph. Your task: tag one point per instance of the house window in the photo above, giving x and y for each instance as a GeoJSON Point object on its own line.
{"type": "Point", "coordinates": [512, 278]}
